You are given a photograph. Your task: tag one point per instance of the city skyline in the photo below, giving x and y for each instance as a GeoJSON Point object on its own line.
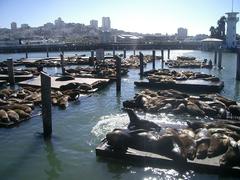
{"type": "Point", "coordinates": [135, 16]}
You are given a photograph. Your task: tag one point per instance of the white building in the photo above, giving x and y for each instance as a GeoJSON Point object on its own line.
{"type": "Point", "coordinates": [106, 24]}
{"type": "Point", "coordinates": [13, 26]}
{"type": "Point", "coordinates": [182, 33]}
{"type": "Point", "coordinates": [94, 24]}
{"type": "Point", "coordinates": [232, 20]}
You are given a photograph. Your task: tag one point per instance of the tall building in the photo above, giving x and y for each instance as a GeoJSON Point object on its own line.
{"type": "Point", "coordinates": [25, 26]}
{"type": "Point", "coordinates": [94, 24]}
{"type": "Point", "coordinates": [13, 26]}
{"type": "Point", "coordinates": [106, 24]}
{"type": "Point", "coordinates": [182, 33]}
{"type": "Point", "coordinates": [232, 20]}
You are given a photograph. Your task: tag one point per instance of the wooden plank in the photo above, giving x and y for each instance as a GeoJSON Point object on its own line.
{"type": "Point", "coordinates": [145, 158]}
{"type": "Point", "coordinates": [56, 84]}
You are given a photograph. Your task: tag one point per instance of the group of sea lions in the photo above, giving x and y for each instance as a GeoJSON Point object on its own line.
{"type": "Point", "coordinates": [199, 140]}
{"type": "Point", "coordinates": [16, 105]}
{"type": "Point", "coordinates": [168, 75]}
{"type": "Point", "coordinates": [173, 101]}
{"type": "Point", "coordinates": [188, 62]}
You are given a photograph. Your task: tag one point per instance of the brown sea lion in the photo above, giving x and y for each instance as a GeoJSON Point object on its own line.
{"type": "Point", "coordinates": [4, 116]}
{"type": "Point", "coordinates": [180, 109]}
{"type": "Point", "coordinates": [189, 145]}
{"type": "Point", "coordinates": [137, 123]}
{"type": "Point", "coordinates": [195, 124]}
{"type": "Point", "coordinates": [218, 145]}
{"type": "Point", "coordinates": [232, 157]}
{"type": "Point", "coordinates": [22, 114]}
{"type": "Point", "coordinates": [226, 101]}
{"type": "Point", "coordinates": [70, 86]}
{"type": "Point", "coordinates": [203, 140]}
{"type": "Point", "coordinates": [13, 116]}
{"type": "Point", "coordinates": [194, 110]}
{"type": "Point", "coordinates": [63, 101]}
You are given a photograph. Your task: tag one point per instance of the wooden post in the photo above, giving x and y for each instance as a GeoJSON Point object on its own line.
{"type": "Point", "coordinates": [26, 54]}
{"type": "Point", "coordinates": [153, 59]}
{"type": "Point", "coordinates": [162, 53]}
{"type": "Point", "coordinates": [238, 65]}
{"type": "Point", "coordinates": [124, 53]}
{"type": "Point", "coordinates": [141, 63]}
{"type": "Point", "coordinates": [215, 57]}
{"type": "Point", "coordinates": [47, 53]}
{"type": "Point", "coordinates": [62, 64]}
{"type": "Point", "coordinates": [220, 58]}
{"type": "Point", "coordinates": [168, 54]}
{"type": "Point", "coordinates": [118, 73]}
{"type": "Point", "coordinates": [46, 105]}
{"type": "Point", "coordinates": [114, 51]}
{"type": "Point", "coordinates": [11, 78]}
{"type": "Point", "coordinates": [134, 52]}
{"type": "Point", "coordinates": [91, 59]}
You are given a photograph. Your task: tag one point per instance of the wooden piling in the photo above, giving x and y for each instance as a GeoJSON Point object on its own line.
{"type": "Point", "coordinates": [134, 52]}
{"type": "Point", "coordinates": [47, 53]}
{"type": "Point", "coordinates": [215, 57]}
{"type": "Point", "coordinates": [118, 73]}
{"type": "Point", "coordinates": [238, 64]}
{"type": "Point", "coordinates": [11, 78]}
{"type": "Point", "coordinates": [114, 53]}
{"type": "Point", "coordinates": [62, 64]}
{"type": "Point", "coordinates": [220, 58]}
{"type": "Point", "coordinates": [168, 55]}
{"type": "Point", "coordinates": [26, 55]}
{"type": "Point", "coordinates": [162, 53]}
{"type": "Point", "coordinates": [91, 59]}
{"type": "Point", "coordinates": [141, 63]}
{"type": "Point", "coordinates": [153, 59]}
{"type": "Point", "coordinates": [46, 105]}
{"type": "Point", "coordinates": [124, 53]}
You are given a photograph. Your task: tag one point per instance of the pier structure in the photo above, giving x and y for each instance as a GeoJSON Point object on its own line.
{"type": "Point", "coordinates": [10, 71]}
{"type": "Point", "coordinates": [141, 63]}
{"type": "Point", "coordinates": [153, 58]}
{"type": "Point", "coordinates": [232, 20]}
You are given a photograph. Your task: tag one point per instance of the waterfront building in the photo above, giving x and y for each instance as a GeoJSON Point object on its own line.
{"type": "Point", "coordinates": [182, 33]}
{"type": "Point", "coordinates": [232, 20]}
{"type": "Point", "coordinates": [106, 24]}
{"type": "Point", "coordinates": [94, 24]}
{"type": "Point", "coordinates": [59, 22]}
{"type": "Point", "coordinates": [48, 25]}
{"type": "Point", "coordinates": [211, 44]}
{"type": "Point", "coordinates": [13, 26]}
{"type": "Point", "coordinates": [105, 36]}
{"type": "Point", "coordinates": [25, 26]}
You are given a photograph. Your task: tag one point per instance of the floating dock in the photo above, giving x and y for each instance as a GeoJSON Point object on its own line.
{"type": "Point", "coordinates": [36, 82]}
{"type": "Point", "coordinates": [136, 157]}
{"type": "Point", "coordinates": [18, 78]}
{"type": "Point", "coordinates": [195, 85]}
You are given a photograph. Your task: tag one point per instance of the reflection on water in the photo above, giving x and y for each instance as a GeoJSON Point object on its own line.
{"type": "Point", "coordinates": [55, 164]}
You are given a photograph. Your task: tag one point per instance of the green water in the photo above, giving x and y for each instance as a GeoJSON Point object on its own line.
{"type": "Point", "coordinates": [78, 130]}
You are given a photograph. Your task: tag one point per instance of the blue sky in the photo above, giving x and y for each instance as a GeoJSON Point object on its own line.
{"type": "Point", "coordinates": [147, 16]}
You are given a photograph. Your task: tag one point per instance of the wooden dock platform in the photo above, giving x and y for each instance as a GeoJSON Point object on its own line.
{"type": "Point", "coordinates": [195, 85]}
{"type": "Point", "coordinates": [136, 157]}
{"type": "Point", "coordinates": [18, 78]}
{"type": "Point", "coordinates": [36, 82]}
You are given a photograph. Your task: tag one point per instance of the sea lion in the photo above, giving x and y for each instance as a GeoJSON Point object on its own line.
{"type": "Point", "coordinates": [194, 110]}
{"type": "Point", "coordinates": [226, 101]}
{"type": "Point", "coordinates": [218, 145]}
{"type": "Point", "coordinates": [195, 125]}
{"type": "Point", "coordinates": [203, 140]}
{"type": "Point", "coordinates": [65, 78]}
{"type": "Point", "coordinates": [148, 141]}
{"type": "Point", "coordinates": [180, 109]}
{"type": "Point", "coordinates": [137, 123]}
{"type": "Point", "coordinates": [69, 86]}
{"type": "Point", "coordinates": [63, 101]}
{"type": "Point", "coordinates": [234, 110]}
{"type": "Point", "coordinates": [13, 116]}
{"type": "Point", "coordinates": [232, 157]}
{"type": "Point", "coordinates": [4, 116]}
{"type": "Point", "coordinates": [22, 114]}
